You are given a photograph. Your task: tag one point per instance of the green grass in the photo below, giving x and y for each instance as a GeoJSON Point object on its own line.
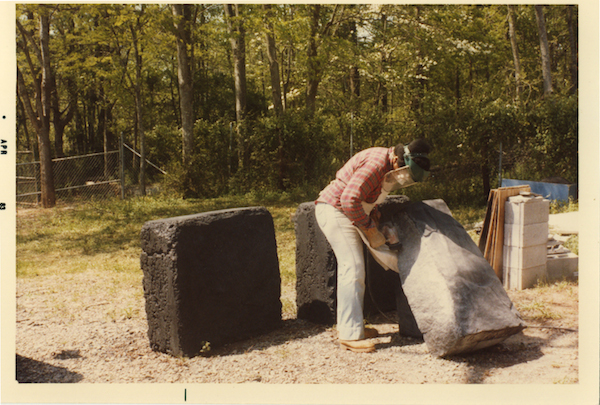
{"type": "Point", "coordinates": [104, 237]}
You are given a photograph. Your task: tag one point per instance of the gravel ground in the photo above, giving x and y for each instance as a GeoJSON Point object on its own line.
{"type": "Point", "coordinates": [71, 330]}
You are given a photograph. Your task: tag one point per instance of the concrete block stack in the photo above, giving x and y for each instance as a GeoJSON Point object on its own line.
{"type": "Point", "coordinates": [561, 263]}
{"type": "Point", "coordinates": [525, 241]}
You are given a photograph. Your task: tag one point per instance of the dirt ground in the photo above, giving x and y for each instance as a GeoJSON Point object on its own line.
{"type": "Point", "coordinates": [70, 330]}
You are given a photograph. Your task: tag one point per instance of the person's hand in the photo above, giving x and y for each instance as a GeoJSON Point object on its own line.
{"type": "Point", "coordinates": [375, 238]}
{"type": "Point", "coordinates": [375, 216]}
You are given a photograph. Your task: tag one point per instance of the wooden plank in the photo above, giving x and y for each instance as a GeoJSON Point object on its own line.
{"type": "Point", "coordinates": [492, 235]}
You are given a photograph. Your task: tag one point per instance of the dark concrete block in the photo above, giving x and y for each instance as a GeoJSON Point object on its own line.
{"type": "Point", "coordinates": [316, 269]}
{"type": "Point", "coordinates": [210, 277]}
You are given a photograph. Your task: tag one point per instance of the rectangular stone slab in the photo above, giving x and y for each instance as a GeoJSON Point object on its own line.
{"type": "Point", "coordinates": [210, 277]}
{"type": "Point", "coordinates": [457, 300]}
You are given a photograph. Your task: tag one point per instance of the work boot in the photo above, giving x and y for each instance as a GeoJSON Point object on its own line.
{"type": "Point", "coordinates": [371, 333]}
{"type": "Point", "coordinates": [357, 346]}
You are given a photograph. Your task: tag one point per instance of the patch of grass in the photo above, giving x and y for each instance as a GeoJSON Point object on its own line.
{"type": "Point", "coordinates": [564, 286]}
{"type": "Point", "coordinates": [468, 216]}
{"type": "Point", "coordinates": [103, 238]}
{"type": "Point", "coordinates": [560, 206]}
{"type": "Point", "coordinates": [537, 310]}
{"type": "Point", "coordinates": [573, 244]}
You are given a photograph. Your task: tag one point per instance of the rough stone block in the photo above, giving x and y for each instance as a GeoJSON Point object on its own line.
{"type": "Point", "coordinates": [210, 277]}
{"type": "Point", "coordinates": [316, 269]}
{"type": "Point", "coordinates": [450, 295]}
{"type": "Point", "coordinates": [526, 210]}
{"type": "Point", "coordinates": [518, 278]}
{"type": "Point", "coordinates": [525, 235]}
{"type": "Point", "coordinates": [458, 302]}
{"type": "Point", "coordinates": [524, 257]}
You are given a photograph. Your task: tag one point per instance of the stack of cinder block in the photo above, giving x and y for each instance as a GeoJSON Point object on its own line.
{"type": "Point", "coordinates": [525, 238]}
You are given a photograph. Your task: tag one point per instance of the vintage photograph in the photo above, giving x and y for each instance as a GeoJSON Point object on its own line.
{"type": "Point", "coordinates": [274, 196]}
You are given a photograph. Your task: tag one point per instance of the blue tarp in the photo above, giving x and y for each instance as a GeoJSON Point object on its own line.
{"type": "Point", "coordinates": [551, 191]}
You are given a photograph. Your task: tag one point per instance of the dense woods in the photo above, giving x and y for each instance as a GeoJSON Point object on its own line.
{"type": "Point", "coordinates": [230, 98]}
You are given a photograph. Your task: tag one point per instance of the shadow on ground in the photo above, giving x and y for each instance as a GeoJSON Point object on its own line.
{"type": "Point", "coordinates": [33, 371]}
{"type": "Point", "coordinates": [515, 350]}
{"type": "Point", "coordinates": [291, 329]}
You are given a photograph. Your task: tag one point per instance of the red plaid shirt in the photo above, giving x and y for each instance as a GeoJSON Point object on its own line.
{"type": "Point", "coordinates": [357, 181]}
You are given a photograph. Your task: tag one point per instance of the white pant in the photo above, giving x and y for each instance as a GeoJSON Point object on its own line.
{"type": "Point", "coordinates": [347, 246]}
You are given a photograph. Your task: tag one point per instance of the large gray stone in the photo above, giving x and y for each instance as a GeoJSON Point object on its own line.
{"type": "Point", "coordinates": [210, 277]}
{"type": "Point", "coordinates": [316, 270]}
{"type": "Point", "coordinates": [457, 300]}
{"type": "Point", "coordinates": [445, 291]}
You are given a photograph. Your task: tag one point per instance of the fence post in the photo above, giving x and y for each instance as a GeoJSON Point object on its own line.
{"type": "Point", "coordinates": [122, 168]}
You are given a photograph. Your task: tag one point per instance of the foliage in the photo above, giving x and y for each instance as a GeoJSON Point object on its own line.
{"type": "Point", "coordinates": [384, 74]}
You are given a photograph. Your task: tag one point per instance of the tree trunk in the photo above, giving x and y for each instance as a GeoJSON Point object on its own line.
{"type": "Point", "coordinates": [485, 168]}
{"type": "Point", "coordinates": [544, 49]}
{"type": "Point", "coordinates": [40, 117]}
{"type": "Point", "coordinates": [419, 94]}
{"type": "Point", "coordinates": [46, 174]}
{"type": "Point", "coordinates": [105, 136]}
{"type": "Point", "coordinates": [62, 119]}
{"type": "Point", "coordinates": [273, 64]}
{"type": "Point", "coordinates": [139, 109]}
{"type": "Point", "coordinates": [572, 22]}
{"type": "Point", "coordinates": [382, 91]}
{"type": "Point", "coordinates": [238, 47]}
{"type": "Point", "coordinates": [515, 49]}
{"type": "Point", "coordinates": [354, 74]}
{"type": "Point", "coordinates": [275, 93]}
{"type": "Point", "coordinates": [183, 14]}
{"type": "Point", "coordinates": [313, 63]}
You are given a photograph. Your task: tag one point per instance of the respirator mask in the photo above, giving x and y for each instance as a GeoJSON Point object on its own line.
{"type": "Point", "coordinates": [407, 175]}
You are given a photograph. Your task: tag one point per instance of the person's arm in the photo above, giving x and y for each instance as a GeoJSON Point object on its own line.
{"type": "Point", "coordinates": [363, 182]}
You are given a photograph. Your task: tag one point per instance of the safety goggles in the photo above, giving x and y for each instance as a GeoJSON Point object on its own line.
{"type": "Point", "coordinates": [417, 172]}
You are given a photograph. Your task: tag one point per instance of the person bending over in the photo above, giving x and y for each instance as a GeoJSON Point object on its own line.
{"type": "Point", "coordinates": [349, 204]}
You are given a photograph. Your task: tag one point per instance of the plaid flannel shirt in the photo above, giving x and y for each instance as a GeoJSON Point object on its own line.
{"type": "Point", "coordinates": [357, 181]}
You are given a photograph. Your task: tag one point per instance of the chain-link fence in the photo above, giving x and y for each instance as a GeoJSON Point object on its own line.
{"type": "Point", "coordinates": [98, 175]}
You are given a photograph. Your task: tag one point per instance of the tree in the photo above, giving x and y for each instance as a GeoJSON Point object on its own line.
{"type": "Point", "coordinates": [135, 28]}
{"type": "Point", "coordinates": [383, 73]}
{"type": "Point", "coordinates": [275, 90]}
{"type": "Point", "coordinates": [544, 49]}
{"type": "Point", "coordinates": [237, 39]}
{"type": "Point", "coordinates": [183, 20]}
{"type": "Point", "coordinates": [515, 49]}
{"type": "Point", "coordinates": [43, 85]}
{"type": "Point", "coordinates": [316, 63]}
{"type": "Point", "coordinates": [273, 64]}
